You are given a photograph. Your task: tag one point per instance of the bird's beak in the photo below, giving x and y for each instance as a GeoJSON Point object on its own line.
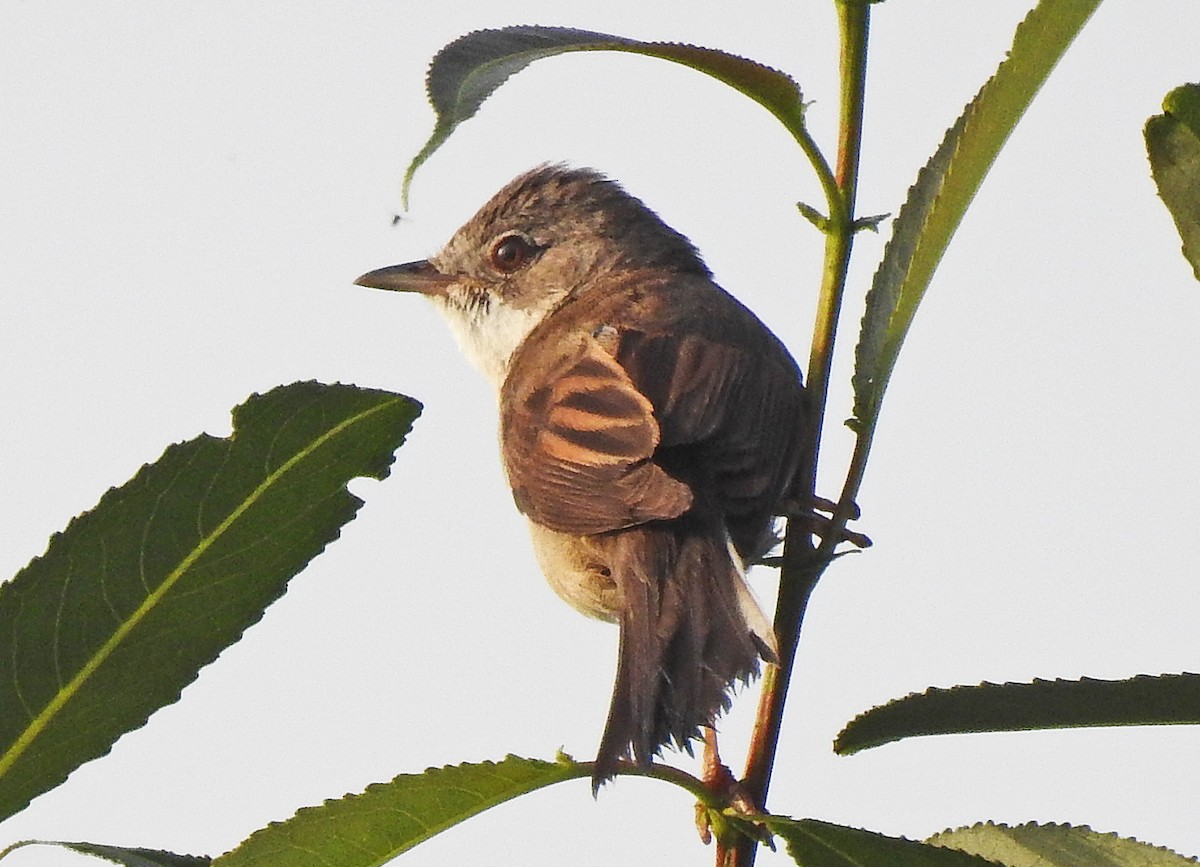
{"type": "Point", "coordinates": [420, 277]}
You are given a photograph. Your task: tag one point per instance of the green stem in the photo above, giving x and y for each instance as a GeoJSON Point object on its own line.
{"type": "Point", "coordinates": [668, 774]}
{"type": "Point", "coordinates": [834, 200]}
{"type": "Point", "coordinates": [802, 563]}
{"type": "Point", "coordinates": [853, 19]}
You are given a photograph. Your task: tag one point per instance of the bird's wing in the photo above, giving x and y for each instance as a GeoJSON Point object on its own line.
{"type": "Point", "coordinates": [578, 443]}
{"type": "Point", "coordinates": [729, 409]}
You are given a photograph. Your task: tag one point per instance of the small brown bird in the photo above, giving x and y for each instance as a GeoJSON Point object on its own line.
{"type": "Point", "coordinates": [650, 426]}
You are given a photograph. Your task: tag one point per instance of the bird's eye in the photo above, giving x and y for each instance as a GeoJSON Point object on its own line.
{"type": "Point", "coordinates": [511, 253]}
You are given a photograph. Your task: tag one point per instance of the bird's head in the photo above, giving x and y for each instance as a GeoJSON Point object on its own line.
{"type": "Point", "coordinates": [548, 235]}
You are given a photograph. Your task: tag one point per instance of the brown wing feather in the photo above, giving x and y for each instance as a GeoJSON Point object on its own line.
{"type": "Point", "coordinates": [652, 402]}
{"type": "Point", "coordinates": [730, 412]}
{"type": "Point", "coordinates": [578, 442]}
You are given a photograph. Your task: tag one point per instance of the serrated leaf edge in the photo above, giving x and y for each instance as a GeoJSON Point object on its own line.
{"type": "Point", "coordinates": [932, 839]}
{"type": "Point", "coordinates": [65, 693]}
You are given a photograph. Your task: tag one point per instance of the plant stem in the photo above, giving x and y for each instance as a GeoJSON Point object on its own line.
{"type": "Point", "coordinates": [689, 783]}
{"type": "Point", "coordinates": [802, 563]}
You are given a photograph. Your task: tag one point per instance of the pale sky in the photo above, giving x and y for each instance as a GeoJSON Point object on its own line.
{"type": "Point", "coordinates": [186, 193]}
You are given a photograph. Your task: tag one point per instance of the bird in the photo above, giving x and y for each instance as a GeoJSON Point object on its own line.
{"type": "Point", "coordinates": [651, 426]}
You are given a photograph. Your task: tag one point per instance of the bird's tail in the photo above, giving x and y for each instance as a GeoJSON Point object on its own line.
{"type": "Point", "coordinates": [690, 630]}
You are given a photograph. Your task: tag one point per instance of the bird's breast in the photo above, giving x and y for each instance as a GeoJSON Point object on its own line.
{"type": "Point", "coordinates": [578, 571]}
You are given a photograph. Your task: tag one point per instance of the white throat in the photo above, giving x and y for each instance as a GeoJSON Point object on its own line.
{"type": "Point", "coordinates": [489, 335]}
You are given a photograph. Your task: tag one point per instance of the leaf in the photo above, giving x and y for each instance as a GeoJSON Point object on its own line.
{"type": "Point", "coordinates": [121, 854]}
{"type": "Point", "coordinates": [469, 69]}
{"type": "Point", "coordinates": [945, 187]}
{"type": "Point", "coordinates": [821, 844]}
{"type": "Point", "coordinates": [135, 596]}
{"type": "Point", "coordinates": [1173, 144]}
{"type": "Point", "coordinates": [1169, 699]}
{"type": "Point", "coordinates": [1033, 845]}
{"type": "Point", "coordinates": [389, 818]}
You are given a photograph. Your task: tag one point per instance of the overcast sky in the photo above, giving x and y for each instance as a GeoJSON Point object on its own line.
{"type": "Point", "coordinates": [186, 193]}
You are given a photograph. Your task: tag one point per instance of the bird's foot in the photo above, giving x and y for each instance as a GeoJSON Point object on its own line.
{"type": "Point", "coordinates": [809, 514]}
{"type": "Point", "coordinates": [734, 818]}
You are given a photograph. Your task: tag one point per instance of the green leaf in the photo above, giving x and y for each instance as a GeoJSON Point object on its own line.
{"type": "Point", "coordinates": [1033, 845]}
{"type": "Point", "coordinates": [1168, 699]}
{"type": "Point", "coordinates": [1173, 144]}
{"type": "Point", "coordinates": [135, 596]}
{"type": "Point", "coordinates": [468, 71]}
{"type": "Point", "coordinates": [945, 187]}
{"type": "Point", "coordinates": [1183, 103]}
{"type": "Point", "coordinates": [821, 844]}
{"type": "Point", "coordinates": [389, 818]}
{"type": "Point", "coordinates": [121, 854]}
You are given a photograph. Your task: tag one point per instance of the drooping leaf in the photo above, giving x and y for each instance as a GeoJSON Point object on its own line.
{"type": "Point", "coordinates": [945, 187]}
{"type": "Point", "coordinates": [1168, 699]}
{"type": "Point", "coordinates": [122, 855]}
{"type": "Point", "coordinates": [135, 596]}
{"type": "Point", "coordinates": [1033, 845]}
{"type": "Point", "coordinates": [822, 844]}
{"type": "Point", "coordinates": [468, 71]}
{"type": "Point", "coordinates": [1173, 143]}
{"type": "Point", "coordinates": [389, 818]}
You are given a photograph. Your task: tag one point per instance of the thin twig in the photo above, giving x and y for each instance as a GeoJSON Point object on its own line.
{"type": "Point", "coordinates": [802, 563]}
